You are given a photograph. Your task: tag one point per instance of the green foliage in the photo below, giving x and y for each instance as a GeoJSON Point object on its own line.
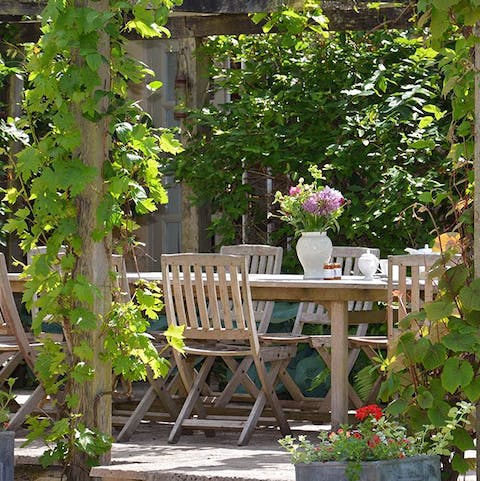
{"type": "Point", "coordinates": [128, 344]}
{"type": "Point", "coordinates": [366, 108]}
{"type": "Point", "coordinates": [64, 436]}
{"type": "Point", "coordinates": [378, 437]}
{"type": "Point", "coordinates": [64, 90]}
{"type": "Point", "coordinates": [449, 333]}
{"type": "Point", "coordinates": [433, 364]}
{"type": "Point", "coordinates": [5, 398]}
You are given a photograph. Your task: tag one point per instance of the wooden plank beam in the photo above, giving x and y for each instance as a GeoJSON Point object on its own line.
{"type": "Point", "coordinates": [230, 17]}
{"type": "Point", "coordinates": [34, 7]}
{"type": "Point", "coordinates": [340, 20]}
{"type": "Point", "coordinates": [184, 26]}
{"type": "Point", "coordinates": [20, 7]}
{"type": "Point", "coordinates": [236, 6]}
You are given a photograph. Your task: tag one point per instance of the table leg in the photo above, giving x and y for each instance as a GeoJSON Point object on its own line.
{"type": "Point", "coordinates": [339, 366]}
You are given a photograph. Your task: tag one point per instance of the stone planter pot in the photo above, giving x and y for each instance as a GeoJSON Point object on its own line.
{"type": "Point", "coordinates": [415, 468]}
{"type": "Point", "coordinates": [7, 446]}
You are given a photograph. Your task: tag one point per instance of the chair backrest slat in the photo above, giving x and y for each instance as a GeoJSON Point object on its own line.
{"type": "Point", "coordinates": [227, 315]}
{"type": "Point", "coordinates": [261, 259]}
{"type": "Point", "coordinates": [178, 291]}
{"type": "Point", "coordinates": [412, 289]}
{"type": "Point", "coordinates": [214, 302]}
{"type": "Point", "coordinates": [216, 293]}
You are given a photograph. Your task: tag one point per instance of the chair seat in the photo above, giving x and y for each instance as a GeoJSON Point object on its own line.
{"type": "Point", "coordinates": [283, 338]}
{"type": "Point", "coordinates": [375, 342]}
{"type": "Point", "coordinates": [219, 350]}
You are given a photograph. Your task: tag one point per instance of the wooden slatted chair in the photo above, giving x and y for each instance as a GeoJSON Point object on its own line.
{"type": "Point", "coordinates": [121, 294]}
{"type": "Point", "coordinates": [261, 259]}
{"type": "Point", "coordinates": [18, 340]}
{"type": "Point", "coordinates": [209, 294]}
{"type": "Point", "coordinates": [406, 294]}
{"type": "Point", "coordinates": [158, 387]}
{"type": "Point", "coordinates": [414, 287]}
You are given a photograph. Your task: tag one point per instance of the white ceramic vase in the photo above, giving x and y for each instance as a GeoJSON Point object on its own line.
{"type": "Point", "coordinates": [313, 250]}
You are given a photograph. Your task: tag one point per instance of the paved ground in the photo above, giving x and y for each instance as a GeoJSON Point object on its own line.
{"type": "Point", "coordinates": [148, 457]}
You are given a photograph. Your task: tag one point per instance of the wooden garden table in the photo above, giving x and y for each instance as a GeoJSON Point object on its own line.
{"type": "Point", "coordinates": [333, 294]}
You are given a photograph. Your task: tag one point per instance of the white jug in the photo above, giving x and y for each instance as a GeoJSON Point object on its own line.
{"type": "Point", "coordinates": [368, 264]}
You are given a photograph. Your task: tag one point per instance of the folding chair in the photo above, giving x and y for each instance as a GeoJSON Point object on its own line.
{"type": "Point", "coordinates": [209, 294]}
{"type": "Point", "coordinates": [414, 287]}
{"type": "Point", "coordinates": [406, 294]}
{"type": "Point", "coordinates": [261, 259]}
{"type": "Point", "coordinates": [158, 387]}
{"type": "Point", "coordinates": [20, 342]}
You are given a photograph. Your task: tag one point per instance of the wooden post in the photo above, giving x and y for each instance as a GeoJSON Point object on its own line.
{"type": "Point", "coordinates": [14, 109]}
{"type": "Point", "coordinates": [95, 404]}
{"type": "Point", "coordinates": [194, 70]}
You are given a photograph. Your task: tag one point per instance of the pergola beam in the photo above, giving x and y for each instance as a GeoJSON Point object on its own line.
{"type": "Point", "coordinates": [230, 17]}
{"type": "Point", "coordinates": [235, 6]}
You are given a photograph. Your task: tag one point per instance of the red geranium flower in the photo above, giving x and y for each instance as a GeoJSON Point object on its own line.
{"type": "Point", "coordinates": [374, 441]}
{"type": "Point", "coordinates": [365, 411]}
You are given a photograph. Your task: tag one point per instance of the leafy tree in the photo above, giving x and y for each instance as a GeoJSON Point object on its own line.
{"type": "Point", "coordinates": [366, 108]}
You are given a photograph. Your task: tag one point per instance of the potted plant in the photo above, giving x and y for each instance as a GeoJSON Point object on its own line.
{"type": "Point", "coordinates": [312, 209]}
{"type": "Point", "coordinates": [7, 438]}
{"type": "Point", "coordinates": [376, 449]}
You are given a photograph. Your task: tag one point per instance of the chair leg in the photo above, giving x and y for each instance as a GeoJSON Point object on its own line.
{"type": "Point", "coordinates": [160, 387]}
{"type": "Point", "coordinates": [136, 417]}
{"type": "Point", "coordinates": [156, 389]}
{"type": "Point", "coordinates": [12, 361]}
{"type": "Point", "coordinates": [266, 395]}
{"type": "Point", "coordinates": [239, 377]}
{"type": "Point", "coordinates": [192, 398]}
{"type": "Point", "coordinates": [32, 402]}
{"type": "Point", "coordinates": [290, 385]}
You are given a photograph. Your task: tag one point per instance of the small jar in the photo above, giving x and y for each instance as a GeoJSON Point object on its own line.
{"type": "Point", "coordinates": [338, 270]}
{"type": "Point", "coordinates": [328, 271]}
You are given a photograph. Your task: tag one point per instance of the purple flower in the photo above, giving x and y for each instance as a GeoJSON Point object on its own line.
{"type": "Point", "coordinates": [324, 203]}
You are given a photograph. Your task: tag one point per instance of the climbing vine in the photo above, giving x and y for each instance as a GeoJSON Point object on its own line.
{"type": "Point", "coordinates": [90, 167]}
{"type": "Point", "coordinates": [438, 348]}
